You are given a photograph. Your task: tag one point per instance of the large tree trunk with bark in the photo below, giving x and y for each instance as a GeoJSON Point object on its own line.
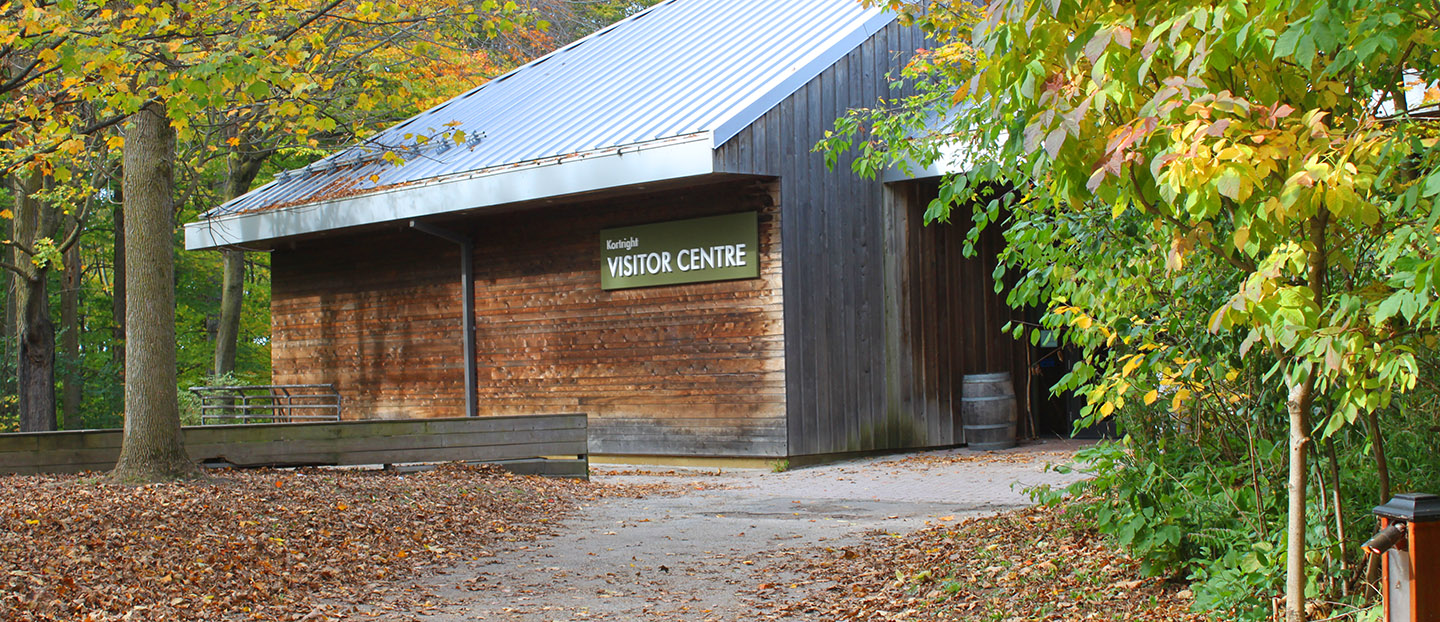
{"type": "Point", "coordinates": [34, 330]}
{"type": "Point", "coordinates": [70, 340]}
{"type": "Point", "coordinates": [35, 375]}
{"type": "Point", "coordinates": [152, 448]}
{"type": "Point", "coordinates": [241, 174]}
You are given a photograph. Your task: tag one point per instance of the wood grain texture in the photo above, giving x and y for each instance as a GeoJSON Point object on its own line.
{"type": "Point", "coordinates": [695, 369]}
{"type": "Point", "coordinates": [487, 439]}
{"type": "Point", "coordinates": [883, 316]}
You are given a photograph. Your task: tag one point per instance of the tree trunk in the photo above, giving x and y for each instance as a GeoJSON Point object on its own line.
{"type": "Point", "coordinates": [1302, 396]}
{"type": "Point", "coordinates": [152, 448]}
{"type": "Point", "coordinates": [232, 298]}
{"type": "Point", "coordinates": [35, 376]}
{"type": "Point", "coordinates": [242, 172]}
{"type": "Point", "coordinates": [117, 274]}
{"type": "Point", "coordinates": [70, 340]}
{"type": "Point", "coordinates": [1382, 471]}
{"type": "Point", "coordinates": [34, 330]}
{"type": "Point", "coordinates": [1377, 448]}
{"type": "Point", "coordinates": [1338, 504]}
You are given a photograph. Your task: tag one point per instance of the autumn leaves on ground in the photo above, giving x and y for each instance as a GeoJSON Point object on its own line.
{"type": "Point", "coordinates": [267, 545]}
{"type": "Point", "coordinates": [315, 544]}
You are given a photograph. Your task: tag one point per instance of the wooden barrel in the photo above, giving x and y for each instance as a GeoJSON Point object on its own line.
{"type": "Point", "coordinates": [987, 410]}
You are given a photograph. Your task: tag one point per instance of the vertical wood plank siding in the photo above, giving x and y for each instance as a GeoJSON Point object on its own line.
{"type": "Point", "coordinates": [883, 316]}
{"type": "Point", "coordinates": [689, 369]}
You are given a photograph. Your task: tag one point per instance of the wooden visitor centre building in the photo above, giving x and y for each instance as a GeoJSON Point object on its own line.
{"type": "Point", "coordinates": [650, 240]}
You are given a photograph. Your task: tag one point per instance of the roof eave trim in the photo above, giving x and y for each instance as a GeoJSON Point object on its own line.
{"type": "Point", "coordinates": [749, 112]}
{"type": "Point", "coordinates": [638, 163]}
{"type": "Point", "coordinates": [954, 159]}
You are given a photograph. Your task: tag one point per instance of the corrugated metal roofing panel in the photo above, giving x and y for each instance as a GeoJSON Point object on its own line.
{"type": "Point", "coordinates": [679, 68]}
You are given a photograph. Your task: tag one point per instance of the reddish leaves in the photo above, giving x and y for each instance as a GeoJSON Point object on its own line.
{"type": "Point", "coordinates": [1035, 564]}
{"type": "Point", "coordinates": [258, 544]}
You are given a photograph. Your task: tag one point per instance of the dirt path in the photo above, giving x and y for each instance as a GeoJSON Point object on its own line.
{"type": "Point", "coordinates": [702, 554]}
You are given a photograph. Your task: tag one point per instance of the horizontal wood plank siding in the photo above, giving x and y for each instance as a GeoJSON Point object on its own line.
{"type": "Point", "coordinates": [693, 369]}
{"type": "Point", "coordinates": [489, 439]}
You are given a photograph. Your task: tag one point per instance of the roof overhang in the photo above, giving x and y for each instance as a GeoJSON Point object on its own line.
{"type": "Point", "coordinates": [638, 163]}
{"type": "Point", "coordinates": [953, 159]}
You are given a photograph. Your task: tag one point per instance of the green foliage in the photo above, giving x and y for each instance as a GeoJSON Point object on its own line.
{"type": "Point", "coordinates": [190, 403]}
{"type": "Point", "coordinates": [1225, 207]}
{"type": "Point", "coordinates": [1185, 515]}
{"type": "Point", "coordinates": [279, 83]}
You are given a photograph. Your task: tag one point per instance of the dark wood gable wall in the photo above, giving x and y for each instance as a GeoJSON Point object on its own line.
{"type": "Point", "coordinates": [882, 316]}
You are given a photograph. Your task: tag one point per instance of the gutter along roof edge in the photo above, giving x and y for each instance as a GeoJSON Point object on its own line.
{"type": "Point", "coordinates": [613, 167]}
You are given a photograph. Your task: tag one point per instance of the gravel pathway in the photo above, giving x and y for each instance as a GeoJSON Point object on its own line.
{"type": "Point", "coordinates": [701, 554]}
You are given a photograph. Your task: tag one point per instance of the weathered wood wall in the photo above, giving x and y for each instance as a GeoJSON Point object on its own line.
{"type": "Point", "coordinates": [689, 369]}
{"type": "Point", "coordinates": [882, 317]}
{"type": "Point", "coordinates": [520, 441]}
{"type": "Point", "coordinates": [944, 318]}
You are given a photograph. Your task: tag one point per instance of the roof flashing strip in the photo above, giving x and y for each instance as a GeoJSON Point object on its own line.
{"type": "Point", "coordinates": [614, 167]}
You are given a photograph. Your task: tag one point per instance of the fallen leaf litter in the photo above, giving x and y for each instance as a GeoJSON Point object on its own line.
{"type": "Point", "coordinates": [264, 544]}
{"type": "Point", "coordinates": [315, 544]}
{"type": "Point", "coordinates": [1031, 564]}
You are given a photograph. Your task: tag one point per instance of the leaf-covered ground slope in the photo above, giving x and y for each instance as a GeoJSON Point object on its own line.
{"type": "Point", "coordinates": [1031, 564]}
{"type": "Point", "coordinates": [268, 545]}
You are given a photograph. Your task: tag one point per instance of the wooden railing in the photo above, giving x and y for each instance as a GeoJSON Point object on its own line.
{"type": "Point", "coordinates": [271, 403]}
{"type": "Point", "coordinates": [554, 445]}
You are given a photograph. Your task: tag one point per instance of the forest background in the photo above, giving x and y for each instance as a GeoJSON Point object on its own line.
{"type": "Point", "coordinates": [83, 306]}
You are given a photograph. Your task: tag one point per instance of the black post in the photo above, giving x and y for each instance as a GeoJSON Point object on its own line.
{"type": "Point", "coordinates": [467, 304]}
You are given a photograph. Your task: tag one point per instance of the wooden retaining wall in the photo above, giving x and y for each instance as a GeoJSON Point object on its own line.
{"type": "Point", "coordinates": [518, 442]}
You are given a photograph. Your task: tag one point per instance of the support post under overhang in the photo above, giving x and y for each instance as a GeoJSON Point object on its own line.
{"type": "Point", "coordinates": [467, 305]}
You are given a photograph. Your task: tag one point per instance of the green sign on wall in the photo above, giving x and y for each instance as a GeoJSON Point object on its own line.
{"type": "Point", "coordinates": [717, 248]}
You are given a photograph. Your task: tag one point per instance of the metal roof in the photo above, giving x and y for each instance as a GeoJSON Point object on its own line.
{"type": "Point", "coordinates": [682, 68]}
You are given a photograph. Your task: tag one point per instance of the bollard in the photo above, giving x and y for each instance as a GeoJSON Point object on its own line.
{"type": "Point", "coordinates": [1409, 539]}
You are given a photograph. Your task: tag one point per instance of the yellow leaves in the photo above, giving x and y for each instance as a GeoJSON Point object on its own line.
{"type": "Point", "coordinates": [1241, 238]}
{"type": "Point", "coordinates": [233, 141]}
{"type": "Point", "coordinates": [1179, 399]}
{"type": "Point", "coordinates": [1175, 258]}
{"type": "Point", "coordinates": [1231, 153]}
{"type": "Point", "coordinates": [48, 56]}
{"type": "Point", "coordinates": [7, 214]}
{"type": "Point", "coordinates": [1151, 396]}
{"type": "Point", "coordinates": [1132, 362]}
